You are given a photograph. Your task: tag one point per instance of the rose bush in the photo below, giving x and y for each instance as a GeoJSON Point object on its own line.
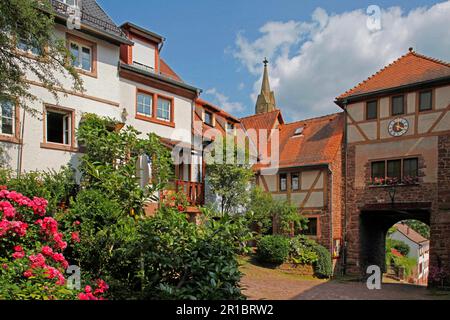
{"type": "Point", "coordinates": [31, 250]}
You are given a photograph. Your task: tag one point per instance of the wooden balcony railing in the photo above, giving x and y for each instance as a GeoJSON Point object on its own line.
{"type": "Point", "coordinates": [194, 191]}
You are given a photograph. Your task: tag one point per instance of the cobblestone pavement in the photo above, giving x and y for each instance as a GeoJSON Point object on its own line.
{"type": "Point", "coordinates": [268, 284]}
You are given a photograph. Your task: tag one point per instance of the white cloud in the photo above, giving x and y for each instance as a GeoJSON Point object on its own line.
{"type": "Point", "coordinates": [312, 62]}
{"type": "Point", "coordinates": [223, 101]}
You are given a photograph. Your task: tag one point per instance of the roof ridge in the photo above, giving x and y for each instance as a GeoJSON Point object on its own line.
{"type": "Point", "coordinates": [419, 55]}
{"type": "Point", "coordinates": [315, 118]}
{"type": "Point", "coordinates": [260, 114]}
{"type": "Point", "coordinates": [410, 53]}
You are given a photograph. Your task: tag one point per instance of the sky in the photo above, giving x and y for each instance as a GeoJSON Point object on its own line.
{"type": "Point", "coordinates": [316, 49]}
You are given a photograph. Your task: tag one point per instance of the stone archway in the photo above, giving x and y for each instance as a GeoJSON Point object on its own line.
{"type": "Point", "coordinates": [375, 221]}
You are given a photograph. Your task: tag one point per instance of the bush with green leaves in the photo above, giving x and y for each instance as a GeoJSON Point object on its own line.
{"type": "Point", "coordinates": [263, 210]}
{"type": "Point", "coordinates": [400, 246]}
{"type": "Point", "coordinates": [273, 249]}
{"type": "Point", "coordinates": [323, 268]}
{"type": "Point", "coordinates": [302, 251]}
{"type": "Point", "coordinates": [110, 161]}
{"type": "Point", "coordinates": [56, 186]}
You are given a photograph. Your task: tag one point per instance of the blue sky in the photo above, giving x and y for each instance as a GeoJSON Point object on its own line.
{"type": "Point", "coordinates": [218, 45]}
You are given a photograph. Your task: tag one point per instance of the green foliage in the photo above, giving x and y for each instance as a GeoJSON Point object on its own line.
{"type": "Point", "coordinates": [110, 161]}
{"type": "Point", "coordinates": [56, 186]}
{"type": "Point", "coordinates": [302, 251]}
{"type": "Point", "coordinates": [400, 246]}
{"type": "Point", "coordinates": [228, 176]}
{"type": "Point", "coordinates": [33, 22]}
{"type": "Point", "coordinates": [323, 268]}
{"type": "Point", "coordinates": [164, 257]}
{"type": "Point", "coordinates": [273, 249]}
{"type": "Point", "coordinates": [262, 210]}
{"type": "Point", "coordinates": [202, 264]}
{"type": "Point", "coordinates": [404, 263]}
{"type": "Point", "coordinates": [420, 227]}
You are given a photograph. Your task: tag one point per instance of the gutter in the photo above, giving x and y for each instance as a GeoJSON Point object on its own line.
{"type": "Point", "coordinates": [155, 76]}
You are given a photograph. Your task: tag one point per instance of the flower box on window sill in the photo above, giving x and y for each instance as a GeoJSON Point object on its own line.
{"type": "Point", "coordinates": [393, 185]}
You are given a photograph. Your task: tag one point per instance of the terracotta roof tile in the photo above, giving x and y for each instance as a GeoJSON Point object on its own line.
{"type": "Point", "coordinates": [165, 70]}
{"type": "Point", "coordinates": [317, 145]}
{"type": "Point", "coordinates": [410, 233]}
{"type": "Point", "coordinates": [409, 69]}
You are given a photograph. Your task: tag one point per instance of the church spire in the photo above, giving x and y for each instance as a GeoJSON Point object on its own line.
{"type": "Point", "coordinates": [266, 99]}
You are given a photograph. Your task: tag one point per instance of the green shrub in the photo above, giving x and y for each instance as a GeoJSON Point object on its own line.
{"type": "Point", "coordinates": [56, 186]}
{"type": "Point", "coordinates": [273, 249]}
{"type": "Point", "coordinates": [302, 251]}
{"type": "Point", "coordinates": [323, 268]}
{"type": "Point", "coordinates": [400, 246]}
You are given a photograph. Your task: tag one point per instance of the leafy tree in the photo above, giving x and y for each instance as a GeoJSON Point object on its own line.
{"type": "Point", "coordinates": [110, 161]}
{"type": "Point", "coordinates": [263, 210]}
{"type": "Point", "coordinates": [31, 22]}
{"type": "Point", "coordinates": [420, 227]}
{"type": "Point", "coordinates": [228, 178]}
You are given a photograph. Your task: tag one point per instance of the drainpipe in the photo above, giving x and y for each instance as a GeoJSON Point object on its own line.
{"type": "Point", "coordinates": [21, 143]}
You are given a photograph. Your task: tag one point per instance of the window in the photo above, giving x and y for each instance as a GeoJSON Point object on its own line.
{"type": "Point", "coordinates": [72, 3]}
{"type": "Point", "coordinates": [164, 109]}
{"type": "Point", "coordinates": [283, 182]}
{"type": "Point", "coordinates": [29, 47]}
{"type": "Point", "coordinates": [394, 169]}
{"type": "Point", "coordinates": [144, 104]}
{"type": "Point", "coordinates": [311, 229]}
{"type": "Point", "coordinates": [295, 181]}
{"type": "Point", "coordinates": [59, 127]}
{"type": "Point", "coordinates": [372, 110]}
{"type": "Point", "coordinates": [411, 167]}
{"type": "Point", "coordinates": [299, 131]}
{"type": "Point", "coordinates": [7, 117]}
{"type": "Point", "coordinates": [154, 108]}
{"type": "Point", "coordinates": [82, 56]}
{"type": "Point", "coordinates": [404, 171]}
{"type": "Point", "coordinates": [378, 170]}
{"type": "Point", "coordinates": [208, 118]}
{"type": "Point", "coordinates": [398, 105]}
{"type": "Point", "coordinates": [425, 100]}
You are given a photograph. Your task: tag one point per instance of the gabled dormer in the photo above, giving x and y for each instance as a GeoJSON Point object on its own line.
{"type": "Point", "coordinates": [145, 51]}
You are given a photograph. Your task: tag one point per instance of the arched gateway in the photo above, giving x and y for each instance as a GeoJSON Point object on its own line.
{"type": "Point", "coordinates": [397, 159]}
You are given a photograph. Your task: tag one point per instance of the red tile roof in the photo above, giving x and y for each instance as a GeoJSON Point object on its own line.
{"type": "Point", "coordinates": [409, 69]}
{"type": "Point", "coordinates": [395, 252]}
{"type": "Point", "coordinates": [318, 144]}
{"type": "Point", "coordinates": [410, 233]}
{"type": "Point", "coordinates": [165, 70]}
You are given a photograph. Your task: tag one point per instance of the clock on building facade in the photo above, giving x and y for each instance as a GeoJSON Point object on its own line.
{"type": "Point", "coordinates": [398, 127]}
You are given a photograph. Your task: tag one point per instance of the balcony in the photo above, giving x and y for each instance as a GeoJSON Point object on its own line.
{"type": "Point", "coordinates": [194, 191]}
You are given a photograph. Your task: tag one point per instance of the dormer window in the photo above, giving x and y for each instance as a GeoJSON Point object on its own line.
{"type": "Point", "coordinates": [144, 55]}
{"type": "Point", "coordinates": [299, 131]}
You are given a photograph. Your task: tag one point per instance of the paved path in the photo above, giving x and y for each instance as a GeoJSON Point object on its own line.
{"type": "Point", "coordinates": [268, 284]}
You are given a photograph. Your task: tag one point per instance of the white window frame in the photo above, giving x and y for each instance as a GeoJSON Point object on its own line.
{"type": "Point", "coordinates": [67, 126]}
{"type": "Point", "coordinates": [12, 118]}
{"type": "Point", "coordinates": [163, 111]}
{"type": "Point", "coordinates": [151, 104]}
{"type": "Point", "coordinates": [76, 3]}
{"type": "Point", "coordinates": [78, 63]}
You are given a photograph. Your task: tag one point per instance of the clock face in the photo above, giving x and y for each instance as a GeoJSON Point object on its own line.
{"type": "Point", "coordinates": [398, 127]}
